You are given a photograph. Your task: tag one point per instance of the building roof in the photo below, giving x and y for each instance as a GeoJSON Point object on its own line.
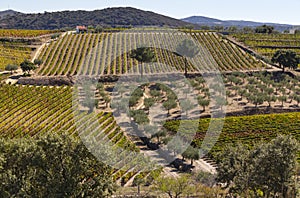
{"type": "Point", "coordinates": [81, 28]}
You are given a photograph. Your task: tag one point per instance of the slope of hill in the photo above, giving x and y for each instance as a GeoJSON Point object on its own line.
{"type": "Point", "coordinates": [200, 20]}
{"type": "Point", "coordinates": [122, 16]}
{"type": "Point", "coordinates": [7, 13]}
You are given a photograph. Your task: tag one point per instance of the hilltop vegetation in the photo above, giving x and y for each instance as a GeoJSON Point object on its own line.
{"type": "Point", "coordinates": [112, 17]}
{"type": "Point", "coordinates": [6, 13]}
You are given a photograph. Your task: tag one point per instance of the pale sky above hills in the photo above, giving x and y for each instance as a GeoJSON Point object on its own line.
{"type": "Point", "coordinates": [277, 11]}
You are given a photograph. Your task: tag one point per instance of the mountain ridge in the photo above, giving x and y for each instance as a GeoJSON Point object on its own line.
{"type": "Point", "coordinates": [207, 21]}
{"type": "Point", "coordinates": [114, 17]}
{"type": "Point", "coordinates": [8, 12]}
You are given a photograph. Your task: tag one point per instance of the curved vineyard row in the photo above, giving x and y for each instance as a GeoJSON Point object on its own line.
{"type": "Point", "coordinates": [108, 53]}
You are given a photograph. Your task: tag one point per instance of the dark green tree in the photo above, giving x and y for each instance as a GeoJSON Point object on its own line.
{"type": "Point", "coordinates": [264, 29]}
{"type": "Point", "coordinates": [11, 68]}
{"type": "Point", "coordinates": [169, 104]}
{"type": "Point", "coordinates": [203, 102]}
{"type": "Point", "coordinates": [148, 102]}
{"type": "Point", "coordinates": [38, 62]}
{"type": "Point", "coordinates": [27, 66]}
{"type": "Point", "coordinates": [232, 29]}
{"type": "Point", "coordinates": [143, 55]}
{"type": "Point", "coordinates": [286, 58]}
{"type": "Point", "coordinates": [51, 166]}
{"type": "Point", "coordinates": [268, 169]}
{"type": "Point", "coordinates": [191, 153]}
{"type": "Point", "coordinates": [187, 49]}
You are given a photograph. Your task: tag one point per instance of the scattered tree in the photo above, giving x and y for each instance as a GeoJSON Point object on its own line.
{"type": "Point", "coordinates": [173, 187]}
{"type": "Point", "coordinates": [187, 49]}
{"type": "Point", "coordinates": [232, 29]}
{"type": "Point", "coordinates": [169, 104]}
{"type": "Point", "coordinates": [286, 58]}
{"type": "Point", "coordinates": [191, 153]}
{"type": "Point", "coordinates": [11, 68]}
{"type": "Point", "coordinates": [27, 66]}
{"type": "Point", "coordinates": [203, 102]}
{"type": "Point", "coordinates": [247, 30]}
{"type": "Point", "coordinates": [138, 181]}
{"type": "Point", "coordinates": [264, 29]}
{"type": "Point", "coordinates": [38, 62]}
{"type": "Point", "coordinates": [148, 102]}
{"type": "Point", "coordinates": [186, 105]}
{"type": "Point", "coordinates": [175, 145]}
{"type": "Point", "coordinates": [159, 134]}
{"type": "Point", "coordinates": [143, 55]}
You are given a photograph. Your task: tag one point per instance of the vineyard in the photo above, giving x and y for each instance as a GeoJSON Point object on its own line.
{"type": "Point", "coordinates": [33, 111]}
{"type": "Point", "coordinates": [24, 33]}
{"type": "Point", "coordinates": [268, 44]}
{"type": "Point", "coordinates": [109, 54]}
{"type": "Point", "coordinates": [246, 129]}
{"type": "Point", "coordinates": [13, 53]}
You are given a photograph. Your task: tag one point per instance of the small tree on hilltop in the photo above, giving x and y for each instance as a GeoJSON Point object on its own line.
{"type": "Point", "coordinates": [27, 66]}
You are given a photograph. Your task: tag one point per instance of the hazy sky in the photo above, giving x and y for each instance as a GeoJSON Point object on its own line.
{"type": "Point", "coordinates": [278, 11]}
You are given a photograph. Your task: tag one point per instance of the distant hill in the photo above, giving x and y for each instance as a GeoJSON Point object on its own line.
{"type": "Point", "coordinates": [205, 21]}
{"type": "Point", "coordinates": [7, 13]}
{"type": "Point", "coordinates": [114, 17]}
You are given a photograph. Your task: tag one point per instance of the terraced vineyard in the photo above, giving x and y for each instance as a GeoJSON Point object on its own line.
{"type": "Point", "coordinates": [27, 111]}
{"type": "Point", "coordinates": [108, 53]}
{"type": "Point", "coordinates": [268, 44]}
{"type": "Point", "coordinates": [13, 53]}
{"type": "Point", "coordinates": [247, 129]}
{"type": "Point", "coordinates": [24, 33]}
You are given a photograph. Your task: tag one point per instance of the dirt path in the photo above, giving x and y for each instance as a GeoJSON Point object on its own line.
{"type": "Point", "coordinates": [155, 156]}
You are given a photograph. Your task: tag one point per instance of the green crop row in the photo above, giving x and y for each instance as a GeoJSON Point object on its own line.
{"type": "Point", "coordinates": [245, 129]}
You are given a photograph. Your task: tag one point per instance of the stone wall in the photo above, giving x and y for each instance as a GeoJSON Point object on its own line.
{"type": "Point", "coordinates": [48, 81]}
